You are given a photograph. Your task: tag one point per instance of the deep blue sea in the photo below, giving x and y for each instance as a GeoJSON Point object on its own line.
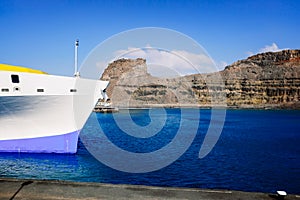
{"type": "Point", "coordinates": [258, 150]}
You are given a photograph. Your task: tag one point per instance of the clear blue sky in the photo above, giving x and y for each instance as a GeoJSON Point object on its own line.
{"type": "Point", "coordinates": [41, 33]}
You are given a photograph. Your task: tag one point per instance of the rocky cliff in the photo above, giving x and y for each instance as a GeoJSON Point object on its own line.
{"type": "Point", "coordinates": [132, 86]}
{"type": "Point", "coordinates": [261, 81]}
{"type": "Point", "coordinates": [265, 80]}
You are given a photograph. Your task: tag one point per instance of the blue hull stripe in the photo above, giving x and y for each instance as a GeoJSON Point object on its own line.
{"type": "Point", "coordinates": [66, 143]}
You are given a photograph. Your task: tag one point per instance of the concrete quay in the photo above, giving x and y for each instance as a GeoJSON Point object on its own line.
{"type": "Point", "coordinates": [41, 189]}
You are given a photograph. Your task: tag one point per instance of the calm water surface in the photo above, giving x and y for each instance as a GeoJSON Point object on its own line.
{"type": "Point", "coordinates": [258, 150]}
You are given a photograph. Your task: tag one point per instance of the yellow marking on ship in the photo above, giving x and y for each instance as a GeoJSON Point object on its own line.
{"type": "Point", "coordinates": [6, 67]}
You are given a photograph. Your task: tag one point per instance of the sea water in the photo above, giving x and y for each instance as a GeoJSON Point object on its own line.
{"type": "Point", "coordinates": [258, 150]}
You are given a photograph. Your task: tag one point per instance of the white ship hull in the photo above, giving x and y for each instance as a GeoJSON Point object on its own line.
{"type": "Point", "coordinates": [44, 113]}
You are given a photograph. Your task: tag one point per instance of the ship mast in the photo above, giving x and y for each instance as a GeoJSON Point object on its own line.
{"type": "Point", "coordinates": [76, 73]}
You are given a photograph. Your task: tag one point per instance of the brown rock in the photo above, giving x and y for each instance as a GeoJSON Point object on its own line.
{"type": "Point", "coordinates": [264, 80]}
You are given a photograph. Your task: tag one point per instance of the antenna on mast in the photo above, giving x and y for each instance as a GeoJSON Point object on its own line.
{"type": "Point", "coordinates": [76, 73]}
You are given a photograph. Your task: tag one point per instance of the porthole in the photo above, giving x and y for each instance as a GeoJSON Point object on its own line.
{"type": "Point", "coordinates": [40, 90]}
{"type": "Point", "coordinates": [16, 89]}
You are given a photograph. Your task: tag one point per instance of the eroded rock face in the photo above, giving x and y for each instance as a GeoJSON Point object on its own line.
{"type": "Point", "coordinates": [269, 79]}
{"type": "Point", "coordinates": [132, 86]}
{"type": "Point", "coordinates": [120, 68]}
{"type": "Point", "coordinates": [265, 80]}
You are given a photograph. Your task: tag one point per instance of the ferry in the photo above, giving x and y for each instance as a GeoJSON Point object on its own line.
{"type": "Point", "coordinates": [43, 113]}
